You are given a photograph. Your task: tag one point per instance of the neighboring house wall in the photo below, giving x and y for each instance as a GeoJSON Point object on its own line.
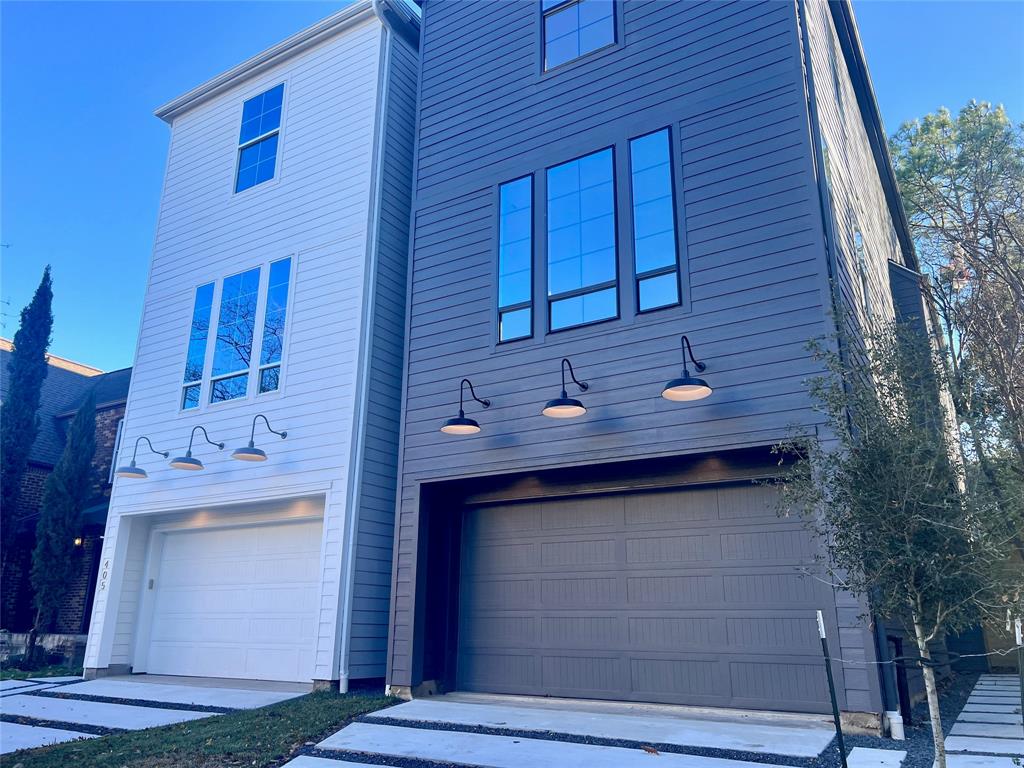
{"type": "Point", "coordinates": [320, 210]}
{"type": "Point", "coordinates": [727, 79]}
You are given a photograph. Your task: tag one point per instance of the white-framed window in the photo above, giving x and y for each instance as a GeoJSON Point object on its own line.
{"type": "Point", "coordinates": [258, 138]}
{"type": "Point", "coordinates": [862, 270]}
{"type": "Point", "coordinates": [249, 337]}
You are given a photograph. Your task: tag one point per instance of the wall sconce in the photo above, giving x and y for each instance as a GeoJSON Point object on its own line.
{"type": "Point", "coordinates": [565, 407]}
{"type": "Point", "coordinates": [251, 452]}
{"type": "Point", "coordinates": [186, 461]}
{"type": "Point", "coordinates": [78, 541]}
{"type": "Point", "coordinates": [687, 387]}
{"type": "Point", "coordinates": [460, 425]}
{"type": "Point", "coordinates": [133, 471]}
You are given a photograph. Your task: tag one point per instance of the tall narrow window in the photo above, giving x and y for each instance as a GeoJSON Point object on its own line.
{"type": "Point", "coordinates": [655, 249]}
{"type": "Point", "coordinates": [862, 270]}
{"type": "Point", "coordinates": [515, 259]}
{"type": "Point", "coordinates": [273, 325]}
{"type": "Point", "coordinates": [581, 241]}
{"type": "Point", "coordinates": [233, 348]}
{"type": "Point", "coordinates": [196, 355]}
{"type": "Point", "coordinates": [257, 141]}
{"type": "Point", "coordinates": [573, 28]}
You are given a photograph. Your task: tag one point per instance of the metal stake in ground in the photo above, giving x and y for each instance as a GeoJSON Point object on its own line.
{"type": "Point", "coordinates": [1020, 661]}
{"type": "Point", "coordinates": [832, 689]}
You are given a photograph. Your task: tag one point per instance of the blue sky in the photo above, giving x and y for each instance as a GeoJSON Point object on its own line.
{"type": "Point", "coordinates": [83, 157]}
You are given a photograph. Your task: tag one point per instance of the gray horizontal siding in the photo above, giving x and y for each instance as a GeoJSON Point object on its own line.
{"type": "Point", "coordinates": [375, 536]}
{"type": "Point", "coordinates": [726, 77]}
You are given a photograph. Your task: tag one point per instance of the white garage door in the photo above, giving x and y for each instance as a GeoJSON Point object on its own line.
{"type": "Point", "coordinates": [236, 602]}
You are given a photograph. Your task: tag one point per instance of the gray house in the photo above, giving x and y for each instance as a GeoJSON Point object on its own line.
{"type": "Point", "coordinates": [595, 180]}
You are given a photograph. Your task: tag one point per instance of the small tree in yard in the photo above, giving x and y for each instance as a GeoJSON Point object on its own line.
{"type": "Point", "coordinates": [19, 417]}
{"type": "Point", "coordinates": [903, 524]}
{"type": "Point", "coordinates": [64, 496]}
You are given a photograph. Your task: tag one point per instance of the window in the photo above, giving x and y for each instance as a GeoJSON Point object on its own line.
{"type": "Point", "coordinates": [573, 28]}
{"type": "Point", "coordinates": [257, 141]}
{"type": "Point", "coordinates": [581, 241]}
{"type": "Point", "coordinates": [862, 269]}
{"type": "Point", "coordinates": [233, 346]}
{"type": "Point", "coordinates": [837, 82]}
{"type": "Point", "coordinates": [195, 358]}
{"type": "Point", "coordinates": [273, 325]}
{"type": "Point", "coordinates": [515, 259]}
{"type": "Point", "coordinates": [655, 253]}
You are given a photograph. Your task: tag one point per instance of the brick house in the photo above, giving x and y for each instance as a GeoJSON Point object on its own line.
{"type": "Point", "coordinates": [66, 385]}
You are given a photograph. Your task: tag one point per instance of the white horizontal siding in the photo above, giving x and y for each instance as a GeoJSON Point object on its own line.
{"type": "Point", "coordinates": [316, 211]}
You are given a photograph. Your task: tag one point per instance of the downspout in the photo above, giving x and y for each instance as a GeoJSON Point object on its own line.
{"type": "Point", "coordinates": [887, 683]}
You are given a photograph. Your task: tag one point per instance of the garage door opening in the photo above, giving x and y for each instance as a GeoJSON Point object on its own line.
{"type": "Point", "coordinates": [683, 596]}
{"type": "Point", "coordinates": [233, 602]}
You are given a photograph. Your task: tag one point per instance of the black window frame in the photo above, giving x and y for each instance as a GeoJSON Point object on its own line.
{"type": "Point", "coordinates": [676, 267]}
{"type": "Point", "coordinates": [596, 288]}
{"type": "Point", "coordinates": [528, 303]}
{"type": "Point", "coordinates": [558, 6]}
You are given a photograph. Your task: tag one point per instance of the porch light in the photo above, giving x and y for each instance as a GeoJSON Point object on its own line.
{"type": "Point", "coordinates": [565, 407]}
{"type": "Point", "coordinates": [251, 452]}
{"type": "Point", "coordinates": [460, 425]}
{"type": "Point", "coordinates": [186, 461]}
{"type": "Point", "coordinates": [687, 387]}
{"type": "Point", "coordinates": [78, 541]}
{"type": "Point", "coordinates": [132, 471]}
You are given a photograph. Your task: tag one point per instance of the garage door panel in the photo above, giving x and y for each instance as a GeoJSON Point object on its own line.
{"type": "Point", "coordinates": [228, 603]}
{"type": "Point", "coordinates": [689, 597]}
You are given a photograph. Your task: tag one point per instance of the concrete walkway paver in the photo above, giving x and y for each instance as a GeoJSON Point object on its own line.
{"type": "Point", "coordinates": [744, 736]}
{"type": "Point", "coordinates": [15, 736]}
{"type": "Point", "coordinates": [228, 698]}
{"type": "Point", "coordinates": [96, 713]}
{"type": "Point", "coordinates": [506, 751]}
{"type": "Point", "coordinates": [990, 724]}
{"type": "Point", "coordinates": [866, 757]}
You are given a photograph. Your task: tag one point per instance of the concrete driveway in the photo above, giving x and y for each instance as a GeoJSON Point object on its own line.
{"type": "Point", "coordinates": [43, 711]}
{"type": "Point", "coordinates": [517, 731]}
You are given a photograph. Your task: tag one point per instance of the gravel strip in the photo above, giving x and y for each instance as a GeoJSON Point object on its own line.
{"type": "Point", "coordinates": [51, 694]}
{"type": "Point", "coordinates": [97, 730]}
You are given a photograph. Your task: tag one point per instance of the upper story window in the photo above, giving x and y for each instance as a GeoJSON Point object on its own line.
{"type": "Point", "coordinates": [232, 352]}
{"type": "Point", "coordinates": [573, 28]}
{"type": "Point", "coordinates": [195, 358]}
{"type": "Point", "coordinates": [581, 240]}
{"type": "Point", "coordinates": [258, 139]}
{"type": "Point", "coordinates": [242, 319]}
{"type": "Point", "coordinates": [862, 270]}
{"type": "Point", "coordinates": [655, 253]}
{"type": "Point", "coordinates": [273, 325]}
{"type": "Point", "coordinates": [515, 259]}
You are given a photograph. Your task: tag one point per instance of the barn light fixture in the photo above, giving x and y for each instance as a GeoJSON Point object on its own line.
{"type": "Point", "coordinates": [251, 452]}
{"type": "Point", "coordinates": [186, 461]}
{"type": "Point", "coordinates": [460, 425]}
{"type": "Point", "coordinates": [565, 407]}
{"type": "Point", "coordinates": [132, 471]}
{"type": "Point", "coordinates": [687, 387]}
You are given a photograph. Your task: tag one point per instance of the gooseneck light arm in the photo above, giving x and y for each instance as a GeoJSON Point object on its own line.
{"type": "Point", "coordinates": [572, 374]}
{"type": "Point", "coordinates": [135, 453]}
{"type": "Point", "coordinates": [252, 434]}
{"type": "Point", "coordinates": [685, 343]}
{"type": "Point", "coordinates": [200, 427]}
{"type": "Point", "coordinates": [462, 389]}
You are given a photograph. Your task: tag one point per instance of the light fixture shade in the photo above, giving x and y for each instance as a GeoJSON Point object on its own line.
{"type": "Point", "coordinates": [460, 425]}
{"type": "Point", "coordinates": [564, 408]}
{"type": "Point", "coordinates": [249, 453]}
{"type": "Point", "coordinates": [685, 389]}
{"type": "Point", "coordinates": [187, 462]}
{"type": "Point", "coordinates": [136, 473]}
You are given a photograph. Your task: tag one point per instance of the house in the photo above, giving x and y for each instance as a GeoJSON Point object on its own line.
{"type": "Point", "coordinates": [273, 310]}
{"type": "Point", "coordinates": [609, 196]}
{"type": "Point", "coordinates": [66, 385]}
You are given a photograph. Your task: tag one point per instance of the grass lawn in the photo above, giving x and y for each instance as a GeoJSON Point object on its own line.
{"type": "Point", "coordinates": [257, 738]}
{"type": "Point", "coordinates": [54, 670]}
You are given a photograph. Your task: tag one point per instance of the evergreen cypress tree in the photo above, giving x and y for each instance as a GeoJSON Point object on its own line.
{"type": "Point", "coordinates": [19, 416]}
{"type": "Point", "coordinates": [65, 495]}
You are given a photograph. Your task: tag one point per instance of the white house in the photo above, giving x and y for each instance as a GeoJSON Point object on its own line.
{"type": "Point", "coordinates": [277, 288]}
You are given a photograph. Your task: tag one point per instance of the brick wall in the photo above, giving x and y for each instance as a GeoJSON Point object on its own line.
{"type": "Point", "coordinates": [16, 611]}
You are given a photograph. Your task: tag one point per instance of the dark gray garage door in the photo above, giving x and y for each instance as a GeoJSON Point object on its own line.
{"type": "Point", "coordinates": [686, 597]}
